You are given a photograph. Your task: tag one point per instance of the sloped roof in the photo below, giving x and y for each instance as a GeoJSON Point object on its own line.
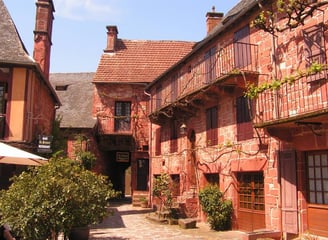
{"type": "Point", "coordinates": [76, 109]}
{"type": "Point", "coordinates": [140, 61]}
{"type": "Point", "coordinates": [12, 49]}
{"type": "Point", "coordinates": [233, 15]}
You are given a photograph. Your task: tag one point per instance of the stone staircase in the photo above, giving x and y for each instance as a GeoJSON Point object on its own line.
{"type": "Point", "coordinates": [137, 197]}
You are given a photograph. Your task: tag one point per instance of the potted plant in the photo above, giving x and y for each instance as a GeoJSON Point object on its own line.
{"type": "Point", "coordinates": [54, 198]}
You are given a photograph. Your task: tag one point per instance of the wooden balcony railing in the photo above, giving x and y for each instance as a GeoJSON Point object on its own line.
{"type": "Point", "coordinates": [301, 99]}
{"type": "Point", "coordinates": [233, 59]}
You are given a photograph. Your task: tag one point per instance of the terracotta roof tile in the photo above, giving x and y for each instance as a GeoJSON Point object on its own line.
{"type": "Point", "coordinates": [140, 60]}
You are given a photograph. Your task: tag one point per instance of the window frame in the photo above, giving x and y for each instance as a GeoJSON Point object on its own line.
{"type": "Point", "coordinates": [122, 117]}
{"type": "Point", "coordinates": [212, 125]}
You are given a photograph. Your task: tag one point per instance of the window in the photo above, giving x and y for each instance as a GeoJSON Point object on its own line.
{"type": "Point", "coordinates": [158, 100]}
{"type": "Point", "coordinates": [3, 106]}
{"type": "Point", "coordinates": [315, 51]}
{"type": "Point", "coordinates": [244, 124]}
{"type": "Point", "coordinates": [122, 116]}
{"type": "Point", "coordinates": [174, 87]}
{"type": "Point", "coordinates": [210, 65]}
{"type": "Point", "coordinates": [251, 190]}
{"type": "Point", "coordinates": [211, 126]}
{"type": "Point", "coordinates": [243, 109]}
{"type": "Point", "coordinates": [175, 185]}
{"type": "Point", "coordinates": [158, 142]}
{"type": "Point", "coordinates": [174, 136]}
{"type": "Point", "coordinates": [242, 48]}
{"type": "Point", "coordinates": [317, 171]}
{"type": "Point", "coordinates": [212, 178]}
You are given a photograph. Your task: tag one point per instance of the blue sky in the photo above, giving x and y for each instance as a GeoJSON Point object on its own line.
{"type": "Point", "coordinates": [79, 30]}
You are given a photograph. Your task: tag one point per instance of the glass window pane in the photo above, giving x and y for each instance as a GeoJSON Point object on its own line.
{"type": "Point", "coordinates": [324, 160]}
{"type": "Point", "coordinates": [312, 197]}
{"type": "Point", "coordinates": [319, 186]}
{"type": "Point", "coordinates": [317, 160]}
{"type": "Point", "coordinates": [325, 185]}
{"type": "Point", "coordinates": [310, 161]}
{"type": "Point", "coordinates": [311, 173]}
{"type": "Point", "coordinates": [318, 172]}
{"type": "Point", "coordinates": [325, 172]}
{"type": "Point", "coordinates": [312, 185]}
{"type": "Point", "coordinates": [319, 198]}
{"type": "Point", "coordinates": [326, 197]}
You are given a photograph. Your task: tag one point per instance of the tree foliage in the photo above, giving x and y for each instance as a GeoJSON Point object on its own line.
{"type": "Point", "coordinates": [53, 198]}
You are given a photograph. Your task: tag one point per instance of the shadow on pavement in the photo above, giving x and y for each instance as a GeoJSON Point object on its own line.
{"type": "Point", "coordinates": [114, 220]}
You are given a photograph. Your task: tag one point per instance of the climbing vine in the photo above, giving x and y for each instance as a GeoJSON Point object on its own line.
{"type": "Point", "coordinates": [253, 91]}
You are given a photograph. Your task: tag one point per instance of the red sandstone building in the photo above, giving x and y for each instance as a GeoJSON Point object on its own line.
{"type": "Point", "coordinates": [27, 100]}
{"type": "Point", "coordinates": [121, 107]}
{"type": "Point", "coordinates": [268, 154]}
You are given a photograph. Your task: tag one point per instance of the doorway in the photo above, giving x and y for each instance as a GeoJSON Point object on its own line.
{"type": "Point", "coordinates": [251, 211]}
{"type": "Point", "coordinates": [142, 174]}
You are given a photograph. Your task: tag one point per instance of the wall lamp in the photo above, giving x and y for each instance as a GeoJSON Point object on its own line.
{"type": "Point", "coordinates": [183, 129]}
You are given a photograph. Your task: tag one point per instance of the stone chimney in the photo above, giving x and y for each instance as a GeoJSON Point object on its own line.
{"type": "Point", "coordinates": [111, 38]}
{"type": "Point", "coordinates": [43, 33]}
{"type": "Point", "coordinates": [212, 19]}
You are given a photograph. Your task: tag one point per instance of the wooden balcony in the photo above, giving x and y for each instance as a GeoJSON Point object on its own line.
{"type": "Point", "coordinates": [228, 69]}
{"type": "Point", "coordinates": [301, 101]}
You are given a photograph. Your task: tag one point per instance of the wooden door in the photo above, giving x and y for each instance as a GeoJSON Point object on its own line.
{"type": "Point", "coordinates": [288, 191]}
{"type": "Point", "coordinates": [142, 174]}
{"type": "Point", "coordinates": [251, 212]}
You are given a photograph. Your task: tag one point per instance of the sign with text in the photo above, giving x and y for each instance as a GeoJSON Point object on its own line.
{"type": "Point", "coordinates": [122, 157]}
{"type": "Point", "coordinates": [44, 145]}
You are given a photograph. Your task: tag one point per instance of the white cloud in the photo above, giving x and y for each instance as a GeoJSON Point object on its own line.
{"type": "Point", "coordinates": [87, 9]}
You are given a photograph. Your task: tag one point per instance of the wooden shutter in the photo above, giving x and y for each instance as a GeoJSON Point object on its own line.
{"type": "Point", "coordinates": [242, 48]}
{"type": "Point", "coordinates": [288, 191]}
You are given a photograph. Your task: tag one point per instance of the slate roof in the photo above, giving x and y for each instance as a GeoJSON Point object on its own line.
{"type": "Point", "coordinates": [12, 49]}
{"type": "Point", "coordinates": [232, 16]}
{"type": "Point", "coordinates": [140, 61]}
{"type": "Point", "coordinates": [77, 99]}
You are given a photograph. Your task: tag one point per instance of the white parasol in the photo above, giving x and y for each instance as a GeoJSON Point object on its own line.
{"type": "Point", "coordinates": [12, 155]}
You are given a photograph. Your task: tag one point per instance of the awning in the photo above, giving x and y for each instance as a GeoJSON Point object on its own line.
{"type": "Point", "coordinates": [12, 155]}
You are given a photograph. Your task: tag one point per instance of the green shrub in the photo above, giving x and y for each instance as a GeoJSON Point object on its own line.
{"type": "Point", "coordinates": [53, 198]}
{"type": "Point", "coordinates": [217, 209]}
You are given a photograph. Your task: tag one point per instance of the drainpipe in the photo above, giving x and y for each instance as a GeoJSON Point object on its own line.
{"type": "Point", "coordinates": [150, 150]}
